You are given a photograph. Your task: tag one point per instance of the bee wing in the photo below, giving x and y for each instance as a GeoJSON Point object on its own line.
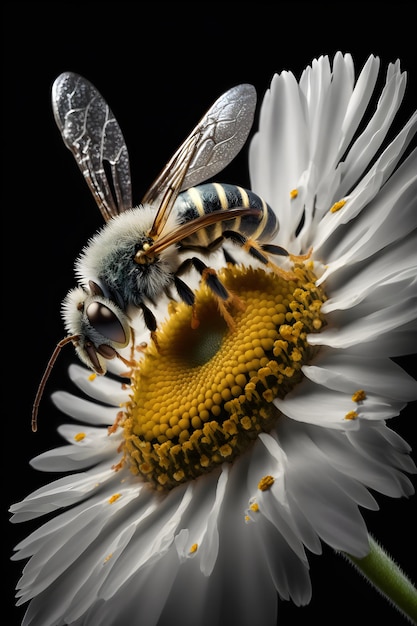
{"type": "Point", "coordinates": [213, 144]}
{"type": "Point", "coordinates": [90, 130]}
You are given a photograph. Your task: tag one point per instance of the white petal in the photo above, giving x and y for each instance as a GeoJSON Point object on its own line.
{"type": "Point", "coordinates": [359, 100]}
{"type": "Point", "coordinates": [382, 272]}
{"type": "Point", "coordinates": [379, 459]}
{"type": "Point", "coordinates": [370, 328]}
{"type": "Point", "coordinates": [280, 142]}
{"type": "Point", "coordinates": [63, 492]}
{"type": "Point", "coordinates": [149, 543]}
{"type": "Point", "coordinates": [348, 372]}
{"type": "Point", "coordinates": [238, 561]}
{"type": "Point", "coordinates": [95, 447]}
{"type": "Point", "coordinates": [55, 551]}
{"type": "Point", "coordinates": [273, 502]}
{"type": "Point", "coordinates": [289, 574]}
{"type": "Point", "coordinates": [84, 410]}
{"type": "Point", "coordinates": [106, 552]}
{"type": "Point", "coordinates": [210, 541]}
{"type": "Point", "coordinates": [390, 212]}
{"type": "Point", "coordinates": [197, 518]}
{"type": "Point", "coordinates": [102, 388]}
{"type": "Point", "coordinates": [320, 491]}
{"type": "Point", "coordinates": [152, 585]}
{"type": "Point", "coordinates": [365, 147]}
{"type": "Point", "coordinates": [314, 404]}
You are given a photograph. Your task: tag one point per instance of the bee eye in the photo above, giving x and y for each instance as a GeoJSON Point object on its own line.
{"type": "Point", "coordinates": [105, 322]}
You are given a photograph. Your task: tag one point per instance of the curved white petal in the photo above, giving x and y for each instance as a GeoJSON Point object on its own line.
{"type": "Point", "coordinates": [88, 446]}
{"type": "Point", "coordinates": [101, 388]}
{"type": "Point", "coordinates": [314, 404]}
{"type": "Point", "coordinates": [151, 542]}
{"type": "Point", "coordinates": [390, 215]}
{"type": "Point", "coordinates": [273, 503]}
{"type": "Point", "coordinates": [349, 373]}
{"type": "Point", "coordinates": [63, 492]}
{"type": "Point", "coordinates": [384, 274]}
{"type": "Point", "coordinates": [210, 540]}
{"type": "Point", "coordinates": [314, 491]}
{"type": "Point", "coordinates": [84, 410]}
{"type": "Point", "coordinates": [366, 145]}
{"type": "Point", "coordinates": [280, 141]}
{"type": "Point", "coordinates": [374, 328]}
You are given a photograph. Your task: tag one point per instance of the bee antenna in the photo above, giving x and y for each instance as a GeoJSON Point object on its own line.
{"type": "Point", "coordinates": [45, 377]}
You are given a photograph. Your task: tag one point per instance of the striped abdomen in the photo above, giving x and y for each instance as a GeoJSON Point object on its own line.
{"type": "Point", "coordinates": [210, 197]}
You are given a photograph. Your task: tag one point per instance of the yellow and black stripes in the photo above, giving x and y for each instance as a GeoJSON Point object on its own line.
{"type": "Point", "coordinates": [251, 231]}
{"type": "Point", "coordinates": [203, 199]}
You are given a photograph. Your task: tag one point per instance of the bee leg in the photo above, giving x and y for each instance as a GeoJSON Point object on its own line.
{"type": "Point", "coordinates": [132, 347]}
{"type": "Point", "coordinates": [119, 418]}
{"type": "Point", "coordinates": [212, 247]}
{"type": "Point", "coordinates": [213, 282]}
{"type": "Point", "coordinates": [185, 293]}
{"type": "Point", "coordinates": [228, 257]}
{"type": "Point", "coordinates": [209, 276]}
{"type": "Point", "coordinates": [132, 363]}
{"type": "Point", "coordinates": [149, 317]}
{"type": "Point", "coordinates": [150, 322]}
{"type": "Point", "coordinates": [276, 250]}
{"type": "Point", "coordinates": [260, 253]}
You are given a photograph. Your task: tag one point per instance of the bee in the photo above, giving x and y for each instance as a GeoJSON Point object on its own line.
{"type": "Point", "coordinates": [141, 253]}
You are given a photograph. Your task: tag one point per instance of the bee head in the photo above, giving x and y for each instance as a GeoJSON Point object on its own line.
{"type": "Point", "coordinates": [99, 325]}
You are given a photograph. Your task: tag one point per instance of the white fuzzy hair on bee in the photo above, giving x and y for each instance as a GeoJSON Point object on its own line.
{"type": "Point", "coordinates": [107, 259]}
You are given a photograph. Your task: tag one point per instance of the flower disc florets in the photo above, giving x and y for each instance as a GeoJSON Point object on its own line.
{"type": "Point", "coordinates": [204, 394]}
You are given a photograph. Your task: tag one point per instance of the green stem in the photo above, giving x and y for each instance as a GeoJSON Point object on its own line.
{"type": "Point", "coordinates": [387, 578]}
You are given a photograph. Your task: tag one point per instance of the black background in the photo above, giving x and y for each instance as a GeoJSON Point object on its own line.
{"type": "Point", "coordinates": [160, 65]}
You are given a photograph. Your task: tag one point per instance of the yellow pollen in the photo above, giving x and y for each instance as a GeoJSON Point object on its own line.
{"type": "Point", "coordinates": [337, 206]}
{"type": "Point", "coordinates": [114, 497]}
{"type": "Point", "coordinates": [293, 193]}
{"type": "Point", "coordinates": [266, 483]}
{"type": "Point", "coordinates": [194, 548]}
{"type": "Point", "coordinates": [79, 437]}
{"type": "Point", "coordinates": [254, 507]}
{"type": "Point", "coordinates": [359, 396]}
{"type": "Point", "coordinates": [201, 396]}
{"type": "Point", "coordinates": [108, 557]}
{"type": "Point", "coordinates": [352, 415]}
{"type": "Point", "coordinates": [92, 376]}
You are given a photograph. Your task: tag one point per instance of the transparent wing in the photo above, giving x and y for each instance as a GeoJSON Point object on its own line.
{"type": "Point", "coordinates": [90, 130]}
{"type": "Point", "coordinates": [213, 144]}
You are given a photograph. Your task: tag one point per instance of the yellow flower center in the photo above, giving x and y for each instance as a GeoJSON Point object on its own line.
{"type": "Point", "coordinates": [202, 396]}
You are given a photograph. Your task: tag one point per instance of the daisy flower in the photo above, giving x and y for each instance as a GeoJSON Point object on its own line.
{"type": "Point", "coordinates": [239, 447]}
